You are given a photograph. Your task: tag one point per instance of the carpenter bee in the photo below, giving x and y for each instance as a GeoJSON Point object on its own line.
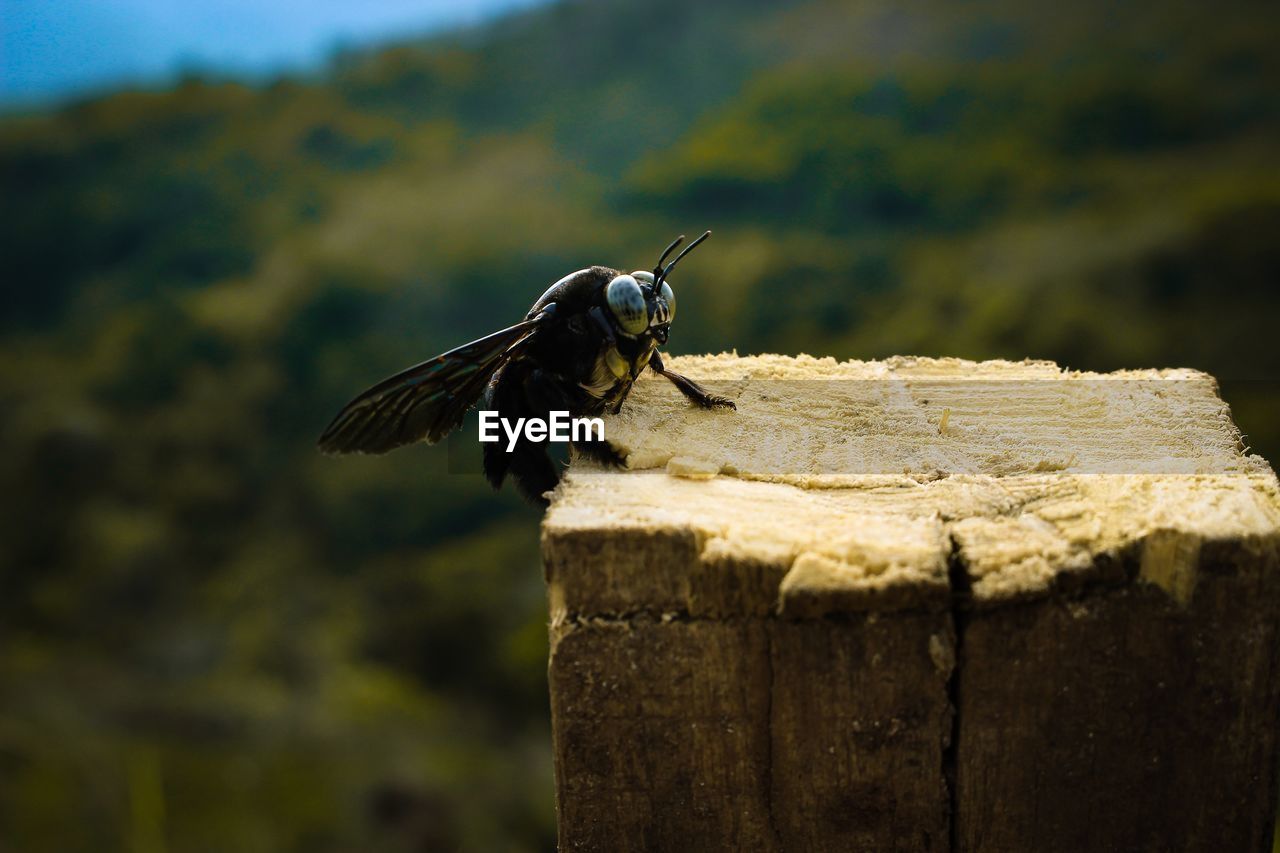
{"type": "Point", "coordinates": [579, 349]}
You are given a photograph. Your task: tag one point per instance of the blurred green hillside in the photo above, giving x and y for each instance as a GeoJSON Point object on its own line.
{"type": "Point", "coordinates": [213, 638]}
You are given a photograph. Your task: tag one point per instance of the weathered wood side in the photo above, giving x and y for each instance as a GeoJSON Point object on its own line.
{"type": "Point", "coordinates": [686, 715]}
{"type": "Point", "coordinates": [713, 735]}
{"type": "Point", "coordinates": [662, 735]}
{"type": "Point", "coordinates": [858, 753]}
{"type": "Point", "coordinates": [1122, 719]}
{"type": "Point", "coordinates": [893, 609]}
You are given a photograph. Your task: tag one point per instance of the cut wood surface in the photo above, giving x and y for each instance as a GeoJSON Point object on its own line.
{"type": "Point", "coordinates": [916, 604]}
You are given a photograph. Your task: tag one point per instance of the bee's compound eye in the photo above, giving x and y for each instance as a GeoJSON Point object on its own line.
{"type": "Point", "coordinates": [670, 296]}
{"type": "Point", "coordinates": [627, 303]}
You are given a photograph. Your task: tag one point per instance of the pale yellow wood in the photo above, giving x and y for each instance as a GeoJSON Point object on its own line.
{"type": "Point", "coordinates": [917, 604]}
{"type": "Point", "coordinates": [838, 471]}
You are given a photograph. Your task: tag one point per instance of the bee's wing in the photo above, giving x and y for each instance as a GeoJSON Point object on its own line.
{"type": "Point", "coordinates": [426, 401]}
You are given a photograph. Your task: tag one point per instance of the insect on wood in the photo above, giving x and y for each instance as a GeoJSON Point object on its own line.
{"type": "Point", "coordinates": [578, 350]}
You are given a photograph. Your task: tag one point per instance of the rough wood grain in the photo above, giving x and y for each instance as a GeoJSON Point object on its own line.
{"type": "Point", "coordinates": [917, 605]}
{"type": "Point", "coordinates": [662, 735]}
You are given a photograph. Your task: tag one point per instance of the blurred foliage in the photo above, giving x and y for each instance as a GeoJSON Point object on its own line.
{"type": "Point", "coordinates": [212, 638]}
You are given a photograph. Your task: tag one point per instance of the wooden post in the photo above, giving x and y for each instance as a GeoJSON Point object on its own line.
{"type": "Point", "coordinates": [917, 605]}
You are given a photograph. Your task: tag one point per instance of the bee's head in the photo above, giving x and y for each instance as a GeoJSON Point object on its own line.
{"type": "Point", "coordinates": [644, 300]}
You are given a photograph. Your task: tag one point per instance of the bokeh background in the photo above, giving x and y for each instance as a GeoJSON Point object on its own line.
{"type": "Point", "coordinates": [211, 637]}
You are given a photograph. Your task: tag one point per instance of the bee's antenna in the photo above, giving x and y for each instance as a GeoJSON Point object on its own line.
{"type": "Point", "coordinates": [658, 278]}
{"type": "Point", "coordinates": [657, 271]}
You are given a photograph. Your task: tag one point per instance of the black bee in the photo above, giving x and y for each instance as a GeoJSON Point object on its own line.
{"type": "Point", "coordinates": [579, 349]}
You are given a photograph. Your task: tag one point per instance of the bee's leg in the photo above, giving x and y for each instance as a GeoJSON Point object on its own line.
{"type": "Point", "coordinates": [552, 395]}
{"type": "Point", "coordinates": [599, 451]}
{"type": "Point", "coordinates": [695, 392]}
{"type": "Point", "coordinates": [602, 322]}
{"type": "Point", "coordinates": [515, 394]}
{"type": "Point", "coordinates": [611, 341]}
{"type": "Point", "coordinates": [532, 472]}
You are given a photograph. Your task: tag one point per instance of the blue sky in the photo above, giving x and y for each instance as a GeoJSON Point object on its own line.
{"type": "Point", "coordinates": [54, 48]}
